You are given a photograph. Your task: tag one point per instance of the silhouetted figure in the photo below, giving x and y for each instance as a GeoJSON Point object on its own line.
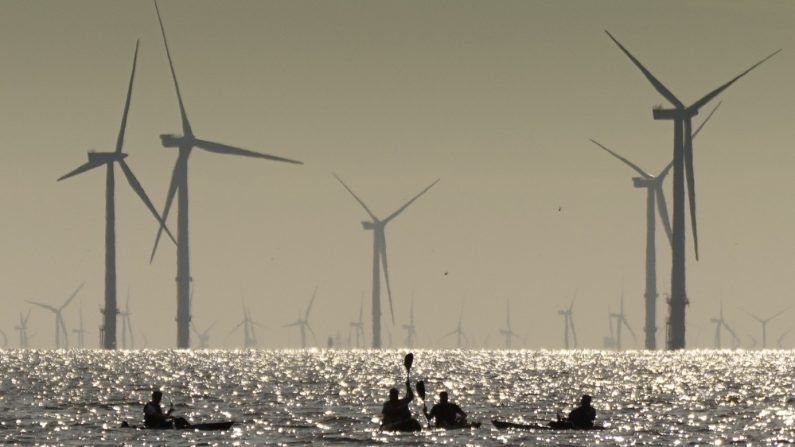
{"type": "Point", "coordinates": [584, 415]}
{"type": "Point", "coordinates": [155, 418]}
{"type": "Point", "coordinates": [446, 413]}
{"type": "Point", "coordinates": [397, 410]}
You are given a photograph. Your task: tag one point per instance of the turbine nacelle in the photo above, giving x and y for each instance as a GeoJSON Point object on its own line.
{"type": "Point", "coordinates": [673, 114]}
{"type": "Point", "coordinates": [640, 182]}
{"type": "Point", "coordinates": [105, 157]}
{"type": "Point", "coordinates": [171, 140]}
{"type": "Point", "coordinates": [368, 225]}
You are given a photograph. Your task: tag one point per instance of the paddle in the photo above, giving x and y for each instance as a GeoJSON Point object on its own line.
{"type": "Point", "coordinates": [421, 392]}
{"type": "Point", "coordinates": [407, 362]}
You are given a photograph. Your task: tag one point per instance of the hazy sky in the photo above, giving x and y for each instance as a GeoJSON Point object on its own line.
{"type": "Point", "coordinates": [498, 99]}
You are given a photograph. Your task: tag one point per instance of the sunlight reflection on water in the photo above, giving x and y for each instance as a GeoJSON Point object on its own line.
{"type": "Point", "coordinates": [333, 397]}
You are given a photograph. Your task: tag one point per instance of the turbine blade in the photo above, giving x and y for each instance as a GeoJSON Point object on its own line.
{"type": "Point", "coordinates": [185, 123]}
{"type": "Point", "coordinates": [72, 296]}
{"type": "Point", "coordinates": [195, 331]}
{"type": "Point", "coordinates": [691, 183]}
{"type": "Point", "coordinates": [382, 250]}
{"type": "Point", "coordinates": [136, 186]}
{"type": "Point", "coordinates": [81, 169]}
{"type": "Point", "coordinates": [573, 331]}
{"type": "Point", "coordinates": [120, 140]}
{"type": "Point", "coordinates": [706, 120]}
{"type": "Point", "coordinates": [400, 210]}
{"type": "Point", "coordinates": [661, 89]}
{"type": "Point", "coordinates": [172, 191]}
{"type": "Point", "coordinates": [311, 302]}
{"type": "Point", "coordinates": [778, 314]}
{"type": "Point", "coordinates": [235, 328]}
{"type": "Point", "coordinates": [627, 162]}
{"type": "Point", "coordinates": [711, 95]}
{"type": "Point", "coordinates": [662, 209]}
{"type": "Point", "coordinates": [46, 306]}
{"type": "Point", "coordinates": [370, 213]}
{"type": "Point", "coordinates": [219, 148]}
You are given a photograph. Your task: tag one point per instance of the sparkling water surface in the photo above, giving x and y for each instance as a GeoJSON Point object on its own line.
{"type": "Point", "coordinates": [333, 397]}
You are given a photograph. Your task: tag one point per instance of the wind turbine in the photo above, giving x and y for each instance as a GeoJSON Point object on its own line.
{"type": "Point", "coordinates": [568, 324]}
{"type": "Point", "coordinates": [655, 198]}
{"type": "Point", "coordinates": [621, 321]}
{"type": "Point", "coordinates": [508, 332]}
{"type": "Point", "coordinates": [81, 332]}
{"type": "Point", "coordinates": [609, 342]}
{"type": "Point", "coordinates": [303, 324]}
{"type": "Point", "coordinates": [179, 183]}
{"type": "Point", "coordinates": [249, 336]}
{"type": "Point", "coordinates": [108, 159]}
{"type": "Point", "coordinates": [720, 323]}
{"type": "Point", "coordinates": [358, 326]}
{"type": "Point", "coordinates": [60, 325]}
{"type": "Point", "coordinates": [126, 324]}
{"type": "Point", "coordinates": [378, 226]}
{"type": "Point", "coordinates": [459, 330]}
{"type": "Point", "coordinates": [764, 322]}
{"type": "Point", "coordinates": [23, 330]}
{"type": "Point", "coordinates": [203, 336]}
{"type": "Point", "coordinates": [411, 329]}
{"type": "Point", "coordinates": [682, 116]}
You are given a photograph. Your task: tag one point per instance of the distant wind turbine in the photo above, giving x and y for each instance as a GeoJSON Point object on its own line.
{"type": "Point", "coordinates": [682, 116]}
{"type": "Point", "coordinates": [378, 226]}
{"type": "Point", "coordinates": [508, 332]}
{"type": "Point", "coordinates": [621, 321]}
{"type": "Point", "coordinates": [655, 198]}
{"type": "Point", "coordinates": [764, 322]}
{"type": "Point", "coordinates": [720, 323]}
{"type": "Point", "coordinates": [108, 159]}
{"type": "Point", "coordinates": [81, 332]}
{"type": "Point", "coordinates": [358, 326]}
{"type": "Point", "coordinates": [23, 330]}
{"type": "Point", "coordinates": [411, 329]}
{"type": "Point", "coordinates": [303, 324]}
{"type": "Point", "coordinates": [458, 331]}
{"type": "Point", "coordinates": [568, 325]}
{"type": "Point", "coordinates": [203, 336]}
{"type": "Point", "coordinates": [126, 325]}
{"type": "Point", "coordinates": [179, 183]}
{"type": "Point", "coordinates": [60, 325]}
{"type": "Point", "coordinates": [249, 336]}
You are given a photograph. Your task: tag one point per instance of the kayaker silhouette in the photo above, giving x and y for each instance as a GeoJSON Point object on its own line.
{"type": "Point", "coordinates": [155, 418]}
{"type": "Point", "coordinates": [446, 413]}
{"type": "Point", "coordinates": [582, 416]}
{"type": "Point", "coordinates": [396, 409]}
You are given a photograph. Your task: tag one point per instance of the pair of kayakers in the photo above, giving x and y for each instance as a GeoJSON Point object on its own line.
{"type": "Point", "coordinates": [396, 410]}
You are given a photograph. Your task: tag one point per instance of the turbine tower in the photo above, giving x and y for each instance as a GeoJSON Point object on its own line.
{"type": "Point", "coordinates": [108, 159]}
{"type": "Point", "coordinates": [621, 321]}
{"type": "Point", "coordinates": [358, 325]}
{"type": "Point", "coordinates": [378, 226]}
{"type": "Point", "coordinates": [568, 324]}
{"type": "Point", "coordinates": [655, 199]}
{"type": "Point", "coordinates": [179, 184]}
{"type": "Point", "coordinates": [720, 323]}
{"type": "Point", "coordinates": [682, 116]}
{"type": "Point", "coordinates": [23, 330]}
{"type": "Point", "coordinates": [459, 330]}
{"type": "Point", "coordinates": [126, 324]}
{"type": "Point", "coordinates": [764, 322]}
{"type": "Point", "coordinates": [411, 329]}
{"type": "Point", "coordinates": [508, 332]}
{"type": "Point", "coordinates": [81, 332]}
{"type": "Point", "coordinates": [303, 324]}
{"type": "Point", "coordinates": [60, 325]}
{"type": "Point", "coordinates": [609, 342]}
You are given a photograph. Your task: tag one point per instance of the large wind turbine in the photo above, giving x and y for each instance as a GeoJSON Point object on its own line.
{"type": "Point", "coordinates": [763, 322]}
{"type": "Point", "coordinates": [459, 330]}
{"type": "Point", "coordinates": [568, 324]}
{"type": "Point", "coordinates": [411, 329]}
{"type": "Point", "coordinates": [60, 325]}
{"type": "Point", "coordinates": [108, 159]}
{"type": "Point", "coordinates": [23, 330]}
{"type": "Point", "coordinates": [179, 183]}
{"type": "Point", "coordinates": [655, 199]}
{"type": "Point", "coordinates": [508, 332]}
{"type": "Point", "coordinates": [126, 324]}
{"type": "Point", "coordinates": [720, 323]}
{"type": "Point", "coordinates": [621, 321]}
{"type": "Point", "coordinates": [681, 116]}
{"type": "Point", "coordinates": [81, 332]}
{"type": "Point", "coordinates": [358, 325]}
{"type": "Point", "coordinates": [378, 226]}
{"type": "Point", "coordinates": [303, 324]}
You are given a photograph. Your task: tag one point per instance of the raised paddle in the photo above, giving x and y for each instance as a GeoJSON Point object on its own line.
{"type": "Point", "coordinates": [407, 362]}
{"type": "Point", "coordinates": [421, 393]}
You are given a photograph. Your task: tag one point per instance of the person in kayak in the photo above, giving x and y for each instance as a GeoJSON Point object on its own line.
{"type": "Point", "coordinates": [155, 418]}
{"type": "Point", "coordinates": [446, 413]}
{"type": "Point", "coordinates": [395, 409]}
{"type": "Point", "coordinates": [584, 415]}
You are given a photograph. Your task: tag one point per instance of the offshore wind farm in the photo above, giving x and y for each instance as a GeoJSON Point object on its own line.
{"type": "Point", "coordinates": [440, 176]}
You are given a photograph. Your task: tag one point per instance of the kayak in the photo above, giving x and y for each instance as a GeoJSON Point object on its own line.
{"type": "Point", "coordinates": [554, 425]}
{"type": "Point", "coordinates": [409, 425]}
{"type": "Point", "coordinates": [204, 426]}
{"type": "Point", "coordinates": [465, 425]}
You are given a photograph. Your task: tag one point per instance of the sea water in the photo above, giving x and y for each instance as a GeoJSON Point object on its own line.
{"type": "Point", "coordinates": [333, 397]}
